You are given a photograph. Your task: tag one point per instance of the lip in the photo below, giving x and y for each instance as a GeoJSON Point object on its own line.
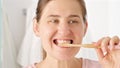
{"type": "Point", "coordinates": [62, 46]}
{"type": "Point", "coordinates": [59, 47]}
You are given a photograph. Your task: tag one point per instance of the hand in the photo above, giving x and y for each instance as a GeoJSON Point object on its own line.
{"type": "Point", "coordinates": [109, 53]}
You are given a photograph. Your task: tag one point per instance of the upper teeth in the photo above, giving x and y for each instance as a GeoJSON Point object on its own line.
{"type": "Point", "coordinates": [63, 41]}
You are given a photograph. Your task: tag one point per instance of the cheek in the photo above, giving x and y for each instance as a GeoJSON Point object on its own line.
{"type": "Point", "coordinates": [46, 31]}
{"type": "Point", "coordinates": [46, 34]}
{"type": "Point", "coordinates": [79, 34]}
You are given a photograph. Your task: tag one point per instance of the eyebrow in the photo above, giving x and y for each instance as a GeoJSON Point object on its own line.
{"type": "Point", "coordinates": [74, 16]}
{"type": "Point", "coordinates": [68, 16]}
{"type": "Point", "coordinates": [53, 16]}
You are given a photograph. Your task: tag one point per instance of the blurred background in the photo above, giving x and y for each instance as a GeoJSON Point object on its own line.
{"type": "Point", "coordinates": [19, 45]}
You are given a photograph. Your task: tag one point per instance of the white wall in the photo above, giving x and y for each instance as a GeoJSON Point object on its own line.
{"type": "Point", "coordinates": [114, 17]}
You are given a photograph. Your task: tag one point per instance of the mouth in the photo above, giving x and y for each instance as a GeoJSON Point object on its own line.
{"type": "Point", "coordinates": [59, 41]}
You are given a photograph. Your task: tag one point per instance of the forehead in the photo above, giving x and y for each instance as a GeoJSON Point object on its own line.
{"type": "Point", "coordinates": [62, 8]}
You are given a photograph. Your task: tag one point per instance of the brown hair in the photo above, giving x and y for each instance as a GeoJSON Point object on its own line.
{"type": "Point", "coordinates": [41, 5]}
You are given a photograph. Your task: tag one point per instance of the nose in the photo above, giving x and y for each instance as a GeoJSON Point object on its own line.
{"type": "Point", "coordinates": [64, 29]}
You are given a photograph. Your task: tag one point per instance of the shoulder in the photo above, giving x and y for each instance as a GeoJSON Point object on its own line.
{"type": "Point", "coordinates": [87, 63]}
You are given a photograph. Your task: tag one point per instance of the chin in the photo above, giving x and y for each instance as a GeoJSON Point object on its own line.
{"type": "Point", "coordinates": [64, 57]}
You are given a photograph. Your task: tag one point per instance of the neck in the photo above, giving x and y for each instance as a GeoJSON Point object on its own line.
{"type": "Point", "coordinates": [55, 63]}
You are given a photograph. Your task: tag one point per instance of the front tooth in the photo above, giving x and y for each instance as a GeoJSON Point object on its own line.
{"type": "Point", "coordinates": [63, 41]}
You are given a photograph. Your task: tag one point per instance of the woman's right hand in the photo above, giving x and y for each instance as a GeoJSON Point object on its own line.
{"type": "Point", "coordinates": [109, 53]}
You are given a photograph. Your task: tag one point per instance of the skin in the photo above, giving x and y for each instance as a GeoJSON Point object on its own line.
{"type": "Point", "coordinates": [66, 23]}
{"type": "Point", "coordinates": [111, 48]}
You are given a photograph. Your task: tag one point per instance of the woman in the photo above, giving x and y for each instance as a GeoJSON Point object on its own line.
{"type": "Point", "coordinates": [64, 21]}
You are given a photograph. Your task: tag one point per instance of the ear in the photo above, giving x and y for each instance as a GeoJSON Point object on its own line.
{"type": "Point", "coordinates": [36, 27]}
{"type": "Point", "coordinates": [86, 26]}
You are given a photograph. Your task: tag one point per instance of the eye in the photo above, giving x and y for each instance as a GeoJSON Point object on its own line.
{"type": "Point", "coordinates": [54, 21]}
{"type": "Point", "coordinates": [73, 21]}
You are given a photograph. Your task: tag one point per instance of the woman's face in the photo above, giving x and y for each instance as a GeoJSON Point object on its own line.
{"type": "Point", "coordinates": [61, 22]}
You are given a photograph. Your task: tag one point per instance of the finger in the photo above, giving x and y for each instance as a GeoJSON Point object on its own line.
{"type": "Point", "coordinates": [99, 50]}
{"type": "Point", "coordinates": [114, 42]}
{"type": "Point", "coordinates": [104, 44]}
{"type": "Point", "coordinates": [98, 43]}
{"type": "Point", "coordinates": [100, 53]}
